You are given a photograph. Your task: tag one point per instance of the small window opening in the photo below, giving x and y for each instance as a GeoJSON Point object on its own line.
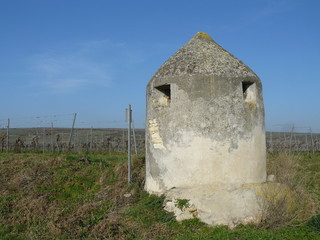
{"type": "Point", "coordinates": [249, 91]}
{"type": "Point", "coordinates": [165, 89]}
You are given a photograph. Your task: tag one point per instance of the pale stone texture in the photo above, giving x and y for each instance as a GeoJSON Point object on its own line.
{"type": "Point", "coordinates": [220, 204]}
{"type": "Point", "coordinates": [205, 124]}
{"type": "Point", "coordinates": [229, 204]}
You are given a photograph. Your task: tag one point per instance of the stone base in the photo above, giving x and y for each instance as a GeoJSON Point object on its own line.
{"type": "Point", "coordinates": [222, 204]}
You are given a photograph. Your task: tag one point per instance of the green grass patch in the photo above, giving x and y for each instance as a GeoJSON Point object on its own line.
{"type": "Point", "coordinates": [148, 210]}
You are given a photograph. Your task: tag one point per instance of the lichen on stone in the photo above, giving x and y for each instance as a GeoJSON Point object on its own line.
{"type": "Point", "coordinates": [251, 104]}
{"type": "Point", "coordinates": [204, 35]}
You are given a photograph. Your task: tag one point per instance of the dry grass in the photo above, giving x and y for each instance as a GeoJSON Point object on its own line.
{"type": "Point", "coordinates": [65, 196]}
{"type": "Point", "coordinates": [290, 204]}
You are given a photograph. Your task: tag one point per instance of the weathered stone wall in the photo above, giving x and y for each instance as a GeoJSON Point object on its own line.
{"type": "Point", "coordinates": [209, 126]}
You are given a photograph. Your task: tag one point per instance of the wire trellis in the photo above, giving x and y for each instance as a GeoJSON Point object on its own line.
{"type": "Point", "coordinates": [61, 132]}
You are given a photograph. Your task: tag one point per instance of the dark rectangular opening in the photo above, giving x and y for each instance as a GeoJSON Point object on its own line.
{"type": "Point", "coordinates": [249, 90]}
{"type": "Point", "coordinates": [165, 89]}
{"type": "Point", "coordinates": [245, 86]}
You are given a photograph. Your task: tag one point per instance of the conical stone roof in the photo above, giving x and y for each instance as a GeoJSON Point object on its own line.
{"type": "Point", "coordinates": [203, 56]}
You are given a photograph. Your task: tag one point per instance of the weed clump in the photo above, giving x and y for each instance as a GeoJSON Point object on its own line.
{"type": "Point", "coordinates": [182, 203]}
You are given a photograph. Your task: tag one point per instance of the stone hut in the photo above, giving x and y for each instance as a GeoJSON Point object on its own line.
{"type": "Point", "coordinates": [205, 120]}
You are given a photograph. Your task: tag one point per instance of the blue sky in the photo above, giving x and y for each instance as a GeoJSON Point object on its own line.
{"type": "Point", "coordinates": [95, 57]}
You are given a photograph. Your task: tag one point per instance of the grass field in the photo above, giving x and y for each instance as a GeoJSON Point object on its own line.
{"type": "Point", "coordinates": [46, 196]}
